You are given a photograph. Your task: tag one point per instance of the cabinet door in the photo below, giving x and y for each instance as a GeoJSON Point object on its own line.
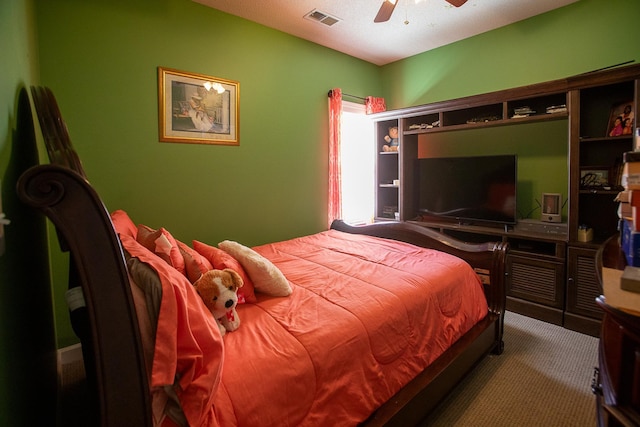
{"type": "Point", "coordinates": [582, 283]}
{"type": "Point", "coordinates": [537, 280]}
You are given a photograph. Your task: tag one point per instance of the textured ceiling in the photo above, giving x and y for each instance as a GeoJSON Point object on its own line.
{"type": "Point", "coordinates": [416, 26]}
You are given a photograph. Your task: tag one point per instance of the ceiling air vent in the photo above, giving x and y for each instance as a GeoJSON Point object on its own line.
{"type": "Point", "coordinates": [321, 17]}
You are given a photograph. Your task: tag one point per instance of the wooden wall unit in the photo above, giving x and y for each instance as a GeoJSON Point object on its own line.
{"type": "Point", "coordinates": [551, 276]}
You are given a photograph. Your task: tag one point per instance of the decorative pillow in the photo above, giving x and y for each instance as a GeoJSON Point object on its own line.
{"type": "Point", "coordinates": [189, 351]}
{"type": "Point", "coordinates": [266, 277]}
{"type": "Point", "coordinates": [149, 283]}
{"type": "Point", "coordinates": [221, 260]}
{"type": "Point", "coordinates": [194, 263]}
{"type": "Point", "coordinates": [161, 243]}
{"type": "Point", "coordinates": [123, 224]}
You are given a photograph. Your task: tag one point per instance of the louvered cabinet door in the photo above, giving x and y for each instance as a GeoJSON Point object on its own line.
{"type": "Point", "coordinates": [582, 283]}
{"type": "Point", "coordinates": [536, 279]}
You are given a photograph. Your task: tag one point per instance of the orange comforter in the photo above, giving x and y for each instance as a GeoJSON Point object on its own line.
{"type": "Point", "coordinates": [362, 321]}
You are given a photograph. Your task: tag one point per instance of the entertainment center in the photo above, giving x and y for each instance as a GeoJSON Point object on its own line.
{"type": "Point", "coordinates": [559, 133]}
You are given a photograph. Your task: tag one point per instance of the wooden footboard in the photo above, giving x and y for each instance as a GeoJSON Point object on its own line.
{"type": "Point", "coordinates": [411, 404]}
{"type": "Point", "coordinates": [488, 259]}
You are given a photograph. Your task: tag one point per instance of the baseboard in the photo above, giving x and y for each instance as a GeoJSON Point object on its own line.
{"type": "Point", "coordinates": [582, 324]}
{"type": "Point", "coordinates": [537, 311]}
{"type": "Point", "coordinates": [70, 354]}
{"type": "Point", "coordinates": [70, 365]}
{"type": "Point", "coordinates": [75, 407]}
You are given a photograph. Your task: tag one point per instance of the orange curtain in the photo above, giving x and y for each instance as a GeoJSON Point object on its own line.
{"type": "Point", "coordinates": [335, 171]}
{"type": "Point", "coordinates": [374, 104]}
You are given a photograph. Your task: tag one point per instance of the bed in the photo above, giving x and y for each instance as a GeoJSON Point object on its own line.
{"type": "Point", "coordinates": [380, 323]}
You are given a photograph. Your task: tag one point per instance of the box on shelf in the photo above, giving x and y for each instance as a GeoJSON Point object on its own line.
{"type": "Point", "coordinates": [630, 280]}
{"type": "Point", "coordinates": [625, 211]}
{"type": "Point", "coordinates": [389, 211]}
{"type": "Point", "coordinates": [624, 196]}
{"type": "Point", "coordinates": [629, 204]}
{"type": "Point", "coordinates": [585, 234]}
{"type": "Point", "coordinates": [631, 170]}
{"type": "Point", "coordinates": [630, 242]}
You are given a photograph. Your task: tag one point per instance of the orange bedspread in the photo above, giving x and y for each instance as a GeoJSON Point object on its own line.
{"type": "Point", "coordinates": [362, 321]}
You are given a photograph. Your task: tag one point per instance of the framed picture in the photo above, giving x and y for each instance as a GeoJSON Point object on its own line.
{"type": "Point", "coordinates": [199, 109]}
{"type": "Point", "coordinates": [621, 119]}
{"type": "Point", "coordinates": [594, 177]}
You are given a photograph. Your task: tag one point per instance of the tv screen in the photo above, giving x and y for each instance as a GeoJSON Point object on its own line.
{"type": "Point", "coordinates": [468, 189]}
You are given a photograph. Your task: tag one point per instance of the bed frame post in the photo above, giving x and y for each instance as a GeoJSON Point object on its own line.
{"type": "Point", "coordinates": [498, 291]}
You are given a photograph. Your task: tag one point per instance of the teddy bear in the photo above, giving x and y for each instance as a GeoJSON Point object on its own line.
{"type": "Point", "coordinates": [219, 291]}
{"type": "Point", "coordinates": [392, 140]}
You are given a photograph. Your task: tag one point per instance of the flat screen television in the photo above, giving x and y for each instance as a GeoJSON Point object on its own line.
{"type": "Point", "coordinates": [480, 189]}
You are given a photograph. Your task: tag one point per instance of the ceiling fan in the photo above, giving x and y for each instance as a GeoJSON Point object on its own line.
{"type": "Point", "coordinates": [388, 5]}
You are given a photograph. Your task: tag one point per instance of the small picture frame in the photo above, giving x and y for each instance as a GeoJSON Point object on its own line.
{"type": "Point", "coordinates": [199, 109]}
{"type": "Point", "coordinates": [621, 119]}
{"type": "Point", "coordinates": [593, 177]}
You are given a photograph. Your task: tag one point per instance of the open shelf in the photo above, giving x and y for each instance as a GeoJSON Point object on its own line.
{"type": "Point", "coordinates": [545, 106]}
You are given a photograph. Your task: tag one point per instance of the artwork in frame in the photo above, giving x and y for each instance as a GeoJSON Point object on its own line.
{"type": "Point", "coordinates": [621, 119]}
{"type": "Point", "coordinates": [593, 177]}
{"type": "Point", "coordinates": [198, 109]}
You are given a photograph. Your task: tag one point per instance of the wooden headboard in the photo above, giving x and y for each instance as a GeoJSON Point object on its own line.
{"type": "Point", "coordinates": [111, 344]}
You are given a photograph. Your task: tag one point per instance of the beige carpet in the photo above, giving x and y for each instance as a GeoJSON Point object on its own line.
{"type": "Point", "coordinates": [543, 378]}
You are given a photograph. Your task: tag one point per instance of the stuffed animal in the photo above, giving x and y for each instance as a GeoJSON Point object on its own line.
{"type": "Point", "coordinates": [392, 140]}
{"type": "Point", "coordinates": [218, 289]}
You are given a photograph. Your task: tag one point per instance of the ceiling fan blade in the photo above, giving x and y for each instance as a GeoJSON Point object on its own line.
{"type": "Point", "coordinates": [457, 3]}
{"type": "Point", "coordinates": [386, 10]}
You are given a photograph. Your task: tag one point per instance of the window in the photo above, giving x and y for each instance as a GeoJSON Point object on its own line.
{"type": "Point", "coordinates": [357, 157]}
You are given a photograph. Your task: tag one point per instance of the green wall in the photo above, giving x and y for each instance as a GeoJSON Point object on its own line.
{"type": "Point", "coordinates": [100, 58]}
{"type": "Point", "coordinates": [584, 36]}
{"type": "Point", "coordinates": [541, 148]}
{"type": "Point", "coordinates": [580, 37]}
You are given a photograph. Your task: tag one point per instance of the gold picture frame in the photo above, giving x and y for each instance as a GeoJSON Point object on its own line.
{"type": "Point", "coordinates": [198, 109]}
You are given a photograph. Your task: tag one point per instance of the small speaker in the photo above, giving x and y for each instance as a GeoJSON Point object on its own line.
{"type": "Point", "coordinates": [551, 207]}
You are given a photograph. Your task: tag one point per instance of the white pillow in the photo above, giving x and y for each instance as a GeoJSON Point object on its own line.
{"type": "Point", "coordinates": [266, 277]}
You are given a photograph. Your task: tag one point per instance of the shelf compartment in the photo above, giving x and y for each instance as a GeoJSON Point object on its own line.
{"type": "Point", "coordinates": [599, 211]}
{"type": "Point", "coordinates": [538, 105]}
{"type": "Point", "coordinates": [381, 130]}
{"type": "Point", "coordinates": [474, 115]}
{"type": "Point", "coordinates": [387, 169]}
{"type": "Point", "coordinates": [387, 203]}
{"type": "Point", "coordinates": [522, 246]}
{"type": "Point", "coordinates": [421, 123]}
{"type": "Point", "coordinates": [596, 104]}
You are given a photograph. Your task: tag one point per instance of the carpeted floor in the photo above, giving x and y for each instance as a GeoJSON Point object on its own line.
{"type": "Point", "coordinates": [543, 378]}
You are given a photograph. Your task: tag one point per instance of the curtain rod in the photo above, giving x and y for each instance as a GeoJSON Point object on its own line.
{"type": "Point", "coordinates": [350, 96]}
